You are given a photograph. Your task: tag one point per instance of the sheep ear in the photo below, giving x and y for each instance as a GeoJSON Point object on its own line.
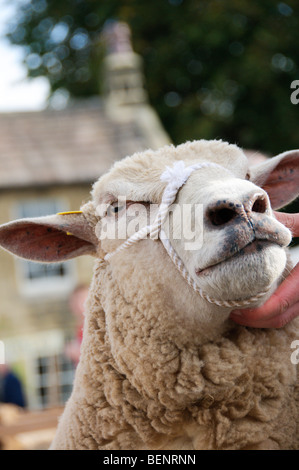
{"type": "Point", "coordinates": [49, 239]}
{"type": "Point", "coordinates": [279, 177]}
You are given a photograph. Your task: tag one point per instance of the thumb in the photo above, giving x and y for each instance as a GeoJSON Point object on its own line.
{"type": "Point", "coordinates": [291, 221]}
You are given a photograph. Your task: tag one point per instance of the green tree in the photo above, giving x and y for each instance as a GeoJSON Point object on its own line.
{"type": "Point", "coordinates": [213, 68]}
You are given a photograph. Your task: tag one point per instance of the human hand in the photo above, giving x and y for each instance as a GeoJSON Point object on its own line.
{"type": "Point", "coordinates": [283, 305]}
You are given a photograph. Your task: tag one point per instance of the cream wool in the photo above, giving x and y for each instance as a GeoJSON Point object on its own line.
{"type": "Point", "coordinates": [160, 367]}
{"type": "Point", "coordinates": [137, 389]}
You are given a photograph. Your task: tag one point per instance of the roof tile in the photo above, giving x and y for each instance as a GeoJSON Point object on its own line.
{"type": "Point", "coordinates": [73, 145]}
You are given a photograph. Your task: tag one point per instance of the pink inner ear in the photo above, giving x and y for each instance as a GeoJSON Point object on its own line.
{"type": "Point", "coordinates": [282, 185]}
{"type": "Point", "coordinates": [41, 243]}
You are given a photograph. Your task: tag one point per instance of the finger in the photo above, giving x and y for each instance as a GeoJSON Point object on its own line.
{"type": "Point", "coordinates": [281, 300]}
{"type": "Point", "coordinates": [278, 321]}
{"type": "Point", "coordinates": [287, 292]}
{"type": "Point", "coordinates": [270, 309]}
{"type": "Point", "coordinates": [291, 221]}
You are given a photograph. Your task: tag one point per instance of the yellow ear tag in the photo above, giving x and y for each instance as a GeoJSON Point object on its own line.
{"type": "Point", "coordinates": [69, 212]}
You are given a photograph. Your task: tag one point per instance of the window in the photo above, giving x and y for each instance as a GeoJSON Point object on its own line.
{"type": "Point", "coordinates": [38, 271]}
{"type": "Point", "coordinates": [54, 379]}
{"type": "Point", "coordinates": [39, 207]}
{"type": "Point", "coordinates": [36, 279]}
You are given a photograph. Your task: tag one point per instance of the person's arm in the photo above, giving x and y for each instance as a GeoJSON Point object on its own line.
{"type": "Point", "coordinates": [283, 305]}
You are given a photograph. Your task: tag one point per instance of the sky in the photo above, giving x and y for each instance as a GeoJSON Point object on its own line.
{"type": "Point", "coordinates": [17, 93]}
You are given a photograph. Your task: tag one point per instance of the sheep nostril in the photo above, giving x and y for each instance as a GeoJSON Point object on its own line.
{"type": "Point", "coordinates": [221, 216]}
{"type": "Point", "coordinates": [259, 205]}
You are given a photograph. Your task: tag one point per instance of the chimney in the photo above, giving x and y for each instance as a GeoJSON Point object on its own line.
{"type": "Point", "coordinates": [125, 97]}
{"type": "Point", "coordinates": [124, 84]}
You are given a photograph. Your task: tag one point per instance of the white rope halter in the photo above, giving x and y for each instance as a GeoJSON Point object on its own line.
{"type": "Point", "coordinates": [176, 177]}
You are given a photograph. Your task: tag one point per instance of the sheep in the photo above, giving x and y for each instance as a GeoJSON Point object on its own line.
{"type": "Point", "coordinates": [162, 366]}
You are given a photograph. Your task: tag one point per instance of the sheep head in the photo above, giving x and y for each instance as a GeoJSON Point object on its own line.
{"type": "Point", "coordinates": [237, 249]}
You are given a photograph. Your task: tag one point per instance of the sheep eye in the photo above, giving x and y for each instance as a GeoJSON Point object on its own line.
{"type": "Point", "coordinates": [115, 209]}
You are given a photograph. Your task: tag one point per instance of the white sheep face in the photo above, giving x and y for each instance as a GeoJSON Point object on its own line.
{"type": "Point", "coordinates": [238, 248]}
{"type": "Point", "coordinates": [243, 246]}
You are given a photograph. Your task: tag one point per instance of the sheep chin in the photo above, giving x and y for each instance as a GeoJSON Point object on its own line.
{"type": "Point", "coordinates": [249, 272]}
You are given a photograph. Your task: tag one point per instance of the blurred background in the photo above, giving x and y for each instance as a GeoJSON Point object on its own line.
{"type": "Point", "coordinates": [84, 83]}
